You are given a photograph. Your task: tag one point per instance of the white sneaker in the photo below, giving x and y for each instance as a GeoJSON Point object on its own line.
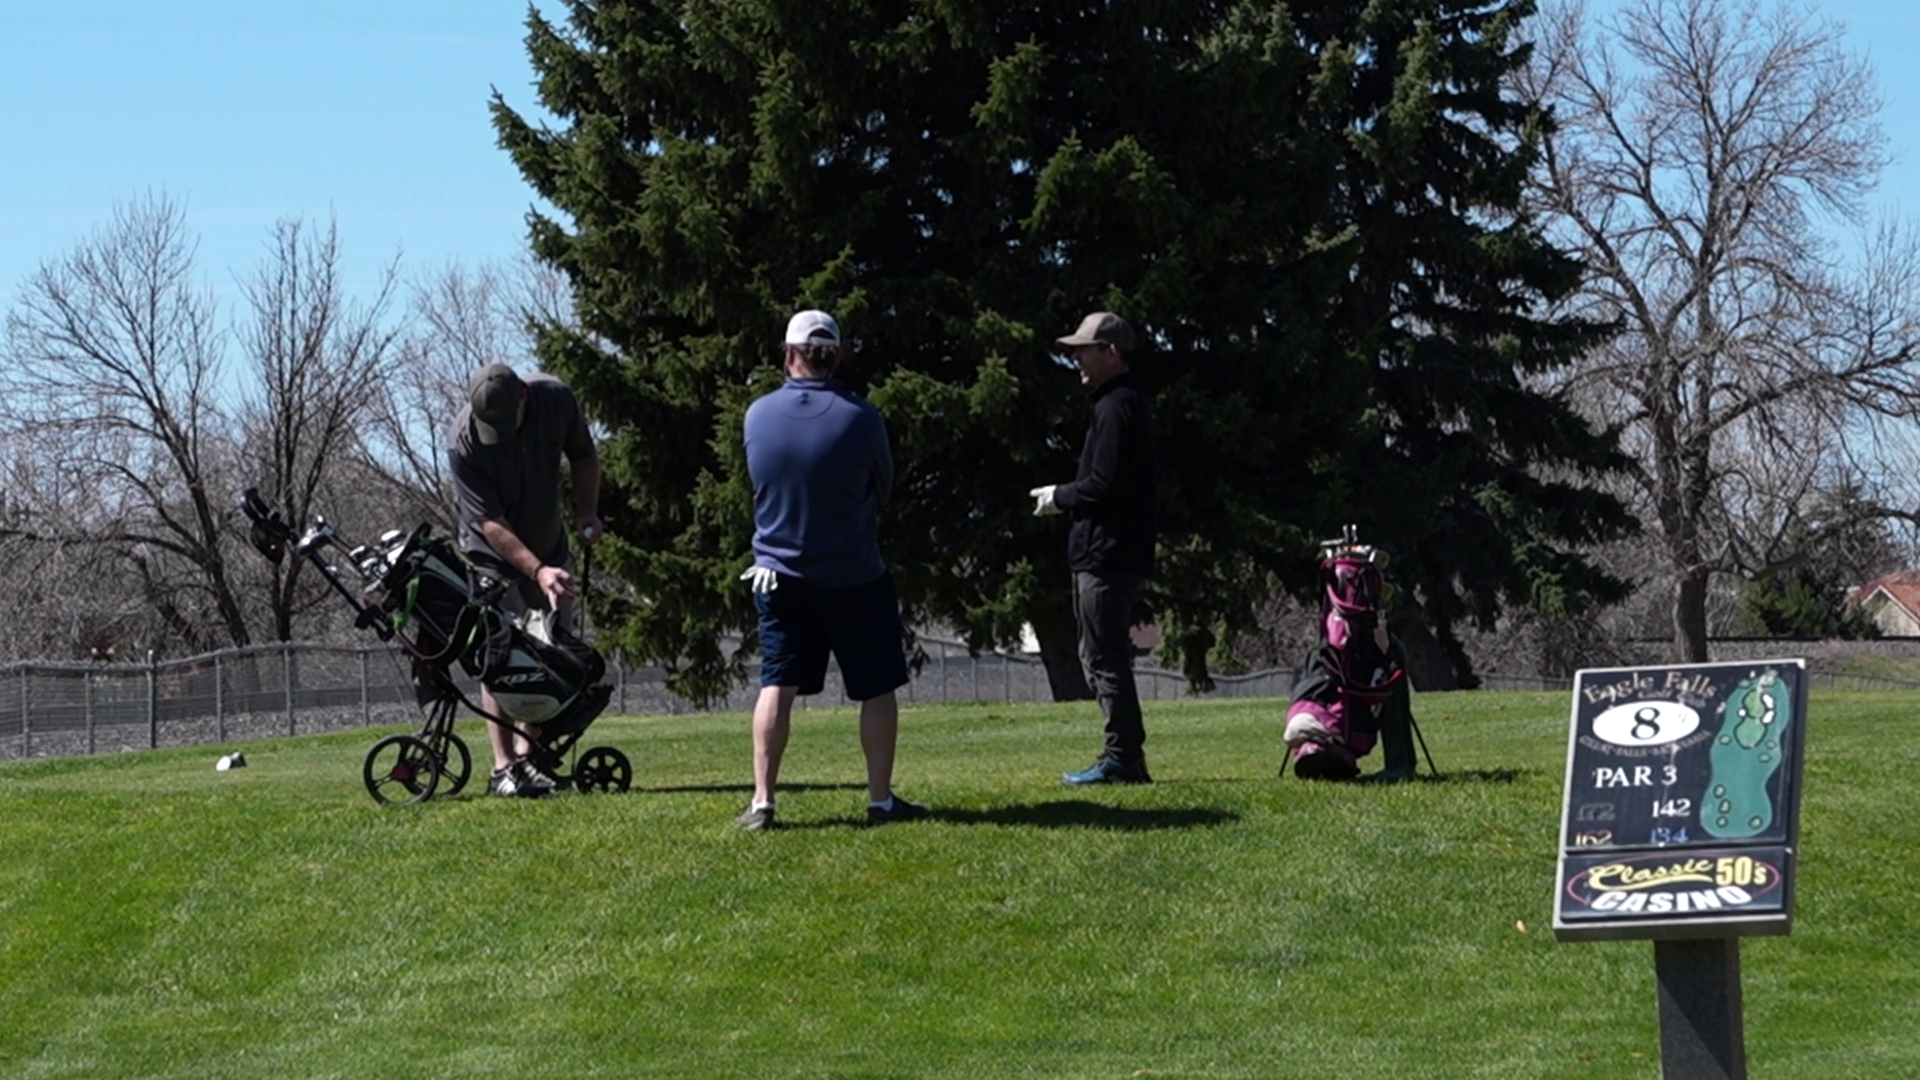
{"type": "Point", "coordinates": [511, 783]}
{"type": "Point", "coordinates": [538, 779]}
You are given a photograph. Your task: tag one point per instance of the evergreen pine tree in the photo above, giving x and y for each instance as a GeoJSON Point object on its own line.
{"type": "Point", "coordinates": [1307, 209]}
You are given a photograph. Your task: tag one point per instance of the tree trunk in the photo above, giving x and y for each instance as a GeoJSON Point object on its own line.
{"type": "Point", "coordinates": [1059, 638]}
{"type": "Point", "coordinates": [1690, 619]}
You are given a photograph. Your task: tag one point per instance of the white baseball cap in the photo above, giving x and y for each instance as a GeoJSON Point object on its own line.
{"type": "Point", "coordinates": [813, 328]}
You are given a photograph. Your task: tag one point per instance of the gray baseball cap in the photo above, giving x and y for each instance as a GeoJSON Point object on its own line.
{"type": "Point", "coordinates": [1101, 328]}
{"type": "Point", "coordinates": [495, 394]}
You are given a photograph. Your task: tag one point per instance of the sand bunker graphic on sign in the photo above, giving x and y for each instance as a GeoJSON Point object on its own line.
{"type": "Point", "coordinates": [1745, 755]}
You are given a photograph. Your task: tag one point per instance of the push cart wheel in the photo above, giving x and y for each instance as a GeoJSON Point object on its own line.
{"type": "Point", "coordinates": [603, 769]}
{"type": "Point", "coordinates": [456, 765]}
{"type": "Point", "coordinates": [401, 769]}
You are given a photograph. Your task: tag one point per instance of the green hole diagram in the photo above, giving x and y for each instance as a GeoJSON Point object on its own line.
{"type": "Point", "coordinates": [1745, 755]}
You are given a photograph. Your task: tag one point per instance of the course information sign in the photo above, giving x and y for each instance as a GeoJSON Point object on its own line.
{"type": "Point", "coordinates": [1682, 801]}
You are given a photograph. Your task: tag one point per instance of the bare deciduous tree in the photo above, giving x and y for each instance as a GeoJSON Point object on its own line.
{"type": "Point", "coordinates": [462, 319]}
{"type": "Point", "coordinates": [322, 361]}
{"type": "Point", "coordinates": [115, 351]}
{"type": "Point", "coordinates": [130, 434]}
{"type": "Point", "coordinates": [1703, 148]}
{"type": "Point", "coordinates": [69, 600]}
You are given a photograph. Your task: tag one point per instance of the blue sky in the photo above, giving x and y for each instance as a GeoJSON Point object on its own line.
{"type": "Point", "coordinates": [375, 114]}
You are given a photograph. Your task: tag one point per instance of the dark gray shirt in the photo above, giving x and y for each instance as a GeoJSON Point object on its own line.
{"type": "Point", "coordinates": [518, 482]}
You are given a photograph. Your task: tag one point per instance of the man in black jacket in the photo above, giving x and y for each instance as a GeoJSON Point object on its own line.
{"type": "Point", "coordinates": [1111, 506]}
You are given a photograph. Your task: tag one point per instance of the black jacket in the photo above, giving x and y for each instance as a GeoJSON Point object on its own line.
{"type": "Point", "coordinates": [1113, 499]}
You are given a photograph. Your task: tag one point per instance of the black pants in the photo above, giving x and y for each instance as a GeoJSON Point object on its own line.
{"type": "Point", "coordinates": [1103, 612]}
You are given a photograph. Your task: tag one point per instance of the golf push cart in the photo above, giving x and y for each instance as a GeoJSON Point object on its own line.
{"type": "Point", "coordinates": [420, 593]}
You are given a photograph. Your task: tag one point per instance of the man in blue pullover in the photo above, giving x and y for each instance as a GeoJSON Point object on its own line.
{"type": "Point", "coordinates": [821, 467]}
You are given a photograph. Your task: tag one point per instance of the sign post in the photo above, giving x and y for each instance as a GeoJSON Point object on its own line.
{"type": "Point", "coordinates": [1701, 1031]}
{"type": "Point", "coordinates": [1681, 826]}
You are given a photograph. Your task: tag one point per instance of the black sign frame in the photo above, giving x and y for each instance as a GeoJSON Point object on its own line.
{"type": "Point", "coordinates": [1681, 815]}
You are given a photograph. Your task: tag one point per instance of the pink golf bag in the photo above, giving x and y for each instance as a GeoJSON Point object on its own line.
{"type": "Point", "coordinates": [1352, 691]}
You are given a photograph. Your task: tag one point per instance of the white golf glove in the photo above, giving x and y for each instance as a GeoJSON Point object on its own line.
{"type": "Point", "coordinates": [764, 579]}
{"type": "Point", "coordinates": [1043, 501]}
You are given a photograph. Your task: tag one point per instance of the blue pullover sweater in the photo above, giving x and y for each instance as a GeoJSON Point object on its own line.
{"type": "Point", "coordinates": [821, 468]}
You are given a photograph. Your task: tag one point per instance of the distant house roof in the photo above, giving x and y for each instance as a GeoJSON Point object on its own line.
{"type": "Point", "coordinates": [1900, 589]}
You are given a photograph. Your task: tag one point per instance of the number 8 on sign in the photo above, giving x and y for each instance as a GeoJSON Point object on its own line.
{"type": "Point", "coordinates": [1646, 723]}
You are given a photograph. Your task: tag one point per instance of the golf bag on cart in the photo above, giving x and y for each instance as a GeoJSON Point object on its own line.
{"type": "Point", "coordinates": [420, 593]}
{"type": "Point", "coordinates": [1352, 691]}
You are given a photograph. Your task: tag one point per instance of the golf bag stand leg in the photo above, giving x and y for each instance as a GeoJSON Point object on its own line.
{"type": "Point", "coordinates": [1396, 726]}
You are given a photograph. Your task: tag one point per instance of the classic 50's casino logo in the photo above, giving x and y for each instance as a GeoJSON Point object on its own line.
{"type": "Point", "coordinates": [1658, 884]}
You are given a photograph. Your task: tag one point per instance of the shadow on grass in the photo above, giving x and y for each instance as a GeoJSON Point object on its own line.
{"type": "Point", "coordinates": [1453, 776]}
{"type": "Point", "coordinates": [740, 789]}
{"type": "Point", "coordinates": [1066, 814]}
{"type": "Point", "coordinates": [1079, 814]}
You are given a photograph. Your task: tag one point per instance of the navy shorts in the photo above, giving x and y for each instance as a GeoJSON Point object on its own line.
{"type": "Point", "coordinates": [800, 623]}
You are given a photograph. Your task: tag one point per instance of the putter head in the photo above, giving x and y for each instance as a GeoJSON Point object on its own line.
{"type": "Point", "coordinates": [269, 533]}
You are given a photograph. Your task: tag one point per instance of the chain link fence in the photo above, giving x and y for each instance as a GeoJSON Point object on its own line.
{"type": "Point", "coordinates": [238, 695]}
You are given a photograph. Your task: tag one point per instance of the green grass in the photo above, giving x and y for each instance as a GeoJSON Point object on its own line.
{"type": "Point", "coordinates": [161, 919]}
